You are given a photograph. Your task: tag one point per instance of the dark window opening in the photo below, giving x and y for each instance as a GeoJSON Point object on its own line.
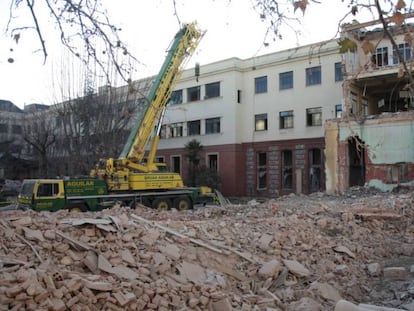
{"type": "Point", "coordinates": [176, 97]}
{"type": "Point", "coordinates": [212, 90]}
{"type": "Point", "coordinates": [213, 162]}
{"type": "Point", "coordinates": [314, 116]}
{"type": "Point", "coordinates": [261, 170]}
{"type": "Point", "coordinates": [193, 127]}
{"type": "Point", "coordinates": [286, 80]}
{"type": "Point", "coordinates": [212, 125]}
{"type": "Point", "coordinates": [315, 169]}
{"type": "Point", "coordinates": [338, 72]}
{"type": "Point", "coordinates": [176, 164]}
{"type": "Point", "coordinates": [260, 85]}
{"type": "Point", "coordinates": [313, 76]}
{"type": "Point", "coordinates": [287, 170]}
{"type": "Point", "coordinates": [193, 94]}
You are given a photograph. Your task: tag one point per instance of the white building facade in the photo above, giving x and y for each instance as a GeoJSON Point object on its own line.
{"type": "Point", "coordinates": [260, 120]}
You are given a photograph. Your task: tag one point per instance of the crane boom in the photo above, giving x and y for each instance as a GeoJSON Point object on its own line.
{"type": "Point", "coordinates": [129, 171]}
{"type": "Point", "coordinates": [182, 47]}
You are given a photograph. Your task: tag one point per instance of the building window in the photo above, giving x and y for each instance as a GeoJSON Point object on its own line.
{"type": "Point", "coordinates": [16, 129]}
{"type": "Point", "coordinates": [3, 128]}
{"type": "Point", "coordinates": [315, 161]}
{"type": "Point", "coordinates": [212, 125]}
{"type": "Point", "coordinates": [260, 85]}
{"type": "Point", "coordinates": [193, 94]}
{"type": "Point", "coordinates": [261, 170]}
{"type": "Point", "coordinates": [338, 111]}
{"type": "Point", "coordinates": [48, 190]}
{"type": "Point", "coordinates": [313, 75]}
{"type": "Point", "coordinates": [260, 122]}
{"type": "Point", "coordinates": [354, 101]}
{"type": "Point", "coordinates": [212, 162]}
{"type": "Point", "coordinates": [380, 57]}
{"type": "Point", "coordinates": [405, 52]}
{"type": "Point", "coordinates": [176, 129]}
{"type": "Point", "coordinates": [176, 97]}
{"type": "Point", "coordinates": [286, 119]}
{"type": "Point", "coordinates": [338, 72]}
{"type": "Point", "coordinates": [239, 93]}
{"type": "Point", "coordinates": [193, 127]}
{"type": "Point", "coordinates": [287, 170]}
{"type": "Point", "coordinates": [286, 80]}
{"type": "Point", "coordinates": [314, 116]}
{"type": "Point", "coordinates": [176, 164]}
{"type": "Point", "coordinates": [212, 90]}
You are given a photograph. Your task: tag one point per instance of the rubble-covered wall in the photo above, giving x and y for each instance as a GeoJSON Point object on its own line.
{"type": "Point", "coordinates": [388, 141]}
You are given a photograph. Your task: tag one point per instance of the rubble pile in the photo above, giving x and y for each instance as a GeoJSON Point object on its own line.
{"type": "Point", "coordinates": [291, 253]}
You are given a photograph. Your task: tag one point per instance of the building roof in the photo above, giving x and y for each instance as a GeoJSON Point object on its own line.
{"type": "Point", "coordinates": [8, 106]}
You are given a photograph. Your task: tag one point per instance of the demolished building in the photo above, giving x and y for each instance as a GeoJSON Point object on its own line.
{"type": "Point", "coordinates": [372, 144]}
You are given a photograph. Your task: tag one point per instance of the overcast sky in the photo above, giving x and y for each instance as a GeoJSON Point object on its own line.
{"type": "Point", "coordinates": [233, 29]}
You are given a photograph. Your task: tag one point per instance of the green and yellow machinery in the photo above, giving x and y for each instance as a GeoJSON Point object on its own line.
{"type": "Point", "coordinates": [134, 175]}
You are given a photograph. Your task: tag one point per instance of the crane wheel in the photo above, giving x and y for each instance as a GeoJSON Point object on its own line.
{"type": "Point", "coordinates": [77, 208]}
{"type": "Point", "coordinates": [182, 203]}
{"type": "Point", "coordinates": [161, 204]}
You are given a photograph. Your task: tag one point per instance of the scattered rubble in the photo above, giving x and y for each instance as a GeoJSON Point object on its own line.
{"type": "Point", "coordinates": [316, 252]}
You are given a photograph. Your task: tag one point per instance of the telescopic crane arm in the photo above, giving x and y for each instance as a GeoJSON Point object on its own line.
{"type": "Point", "coordinates": [185, 42]}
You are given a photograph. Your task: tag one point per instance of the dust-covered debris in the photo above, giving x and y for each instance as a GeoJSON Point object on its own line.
{"type": "Point", "coordinates": [296, 252]}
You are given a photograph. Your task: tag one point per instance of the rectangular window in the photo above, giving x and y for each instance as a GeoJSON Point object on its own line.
{"type": "Point", "coordinates": [193, 127]}
{"type": "Point", "coordinates": [287, 176]}
{"type": "Point", "coordinates": [338, 111]}
{"type": "Point", "coordinates": [260, 85]}
{"type": "Point", "coordinates": [286, 80]}
{"type": "Point", "coordinates": [338, 72]}
{"type": "Point", "coordinates": [239, 92]}
{"type": "Point", "coordinates": [286, 119]}
{"type": "Point", "coordinates": [314, 116]}
{"type": "Point", "coordinates": [193, 94]}
{"type": "Point", "coordinates": [16, 129]}
{"type": "Point", "coordinates": [213, 162]}
{"type": "Point", "coordinates": [260, 122]}
{"type": "Point", "coordinates": [212, 125]}
{"type": "Point", "coordinates": [176, 129]}
{"type": "Point", "coordinates": [354, 101]}
{"type": "Point", "coordinates": [48, 190]}
{"type": "Point", "coordinates": [405, 52]}
{"type": "Point", "coordinates": [163, 132]}
{"type": "Point", "coordinates": [3, 128]}
{"type": "Point", "coordinates": [380, 57]}
{"type": "Point", "coordinates": [261, 170]}
{"type": "Point", "coordinates": [176, 97]}
{"type": "Point", "coordinates": [212, 90]}
{"type": "Point", "coordinates": [176, 164]}
{"type": "Point", "coordinates": [313, 76]}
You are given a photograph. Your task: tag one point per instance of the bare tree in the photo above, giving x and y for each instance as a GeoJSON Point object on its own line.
{"type": "Point", "coordinates": [83, 27]}
{"type": "Point", "coordinates": [38, 132]}
{"type": "Point", "coordinates": [284, 14]}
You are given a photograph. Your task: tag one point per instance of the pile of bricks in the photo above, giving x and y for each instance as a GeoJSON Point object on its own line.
{"type": "Point", "coordinates": [293, 253]}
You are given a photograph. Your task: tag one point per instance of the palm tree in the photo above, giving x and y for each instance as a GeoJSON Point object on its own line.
{"type": "Point", "coordinates": [193, 149]}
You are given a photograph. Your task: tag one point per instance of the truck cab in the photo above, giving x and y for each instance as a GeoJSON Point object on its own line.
{"type": "Point", "coordinates": [42, 194]}
{"type": "Point", "coordinates": [55, 194]}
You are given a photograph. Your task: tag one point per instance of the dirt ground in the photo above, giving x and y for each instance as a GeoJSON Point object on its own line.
{"type": "Point", "coordinates": [295, 252]}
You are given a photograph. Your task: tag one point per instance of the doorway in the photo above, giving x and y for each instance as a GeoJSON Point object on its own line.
{"type": "Point", "coordinates": [315, 161]}
{"type": "Point", "coordinates": [356, 155]}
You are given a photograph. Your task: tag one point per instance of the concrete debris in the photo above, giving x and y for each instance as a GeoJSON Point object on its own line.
{"type": "Point", "coordinates": [347, 252]}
